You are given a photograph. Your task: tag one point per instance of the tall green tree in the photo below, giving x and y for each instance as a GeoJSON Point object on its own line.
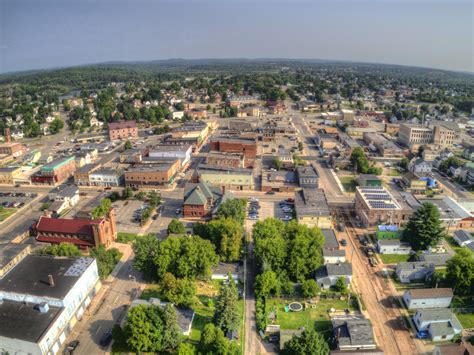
{"type": "Point", "coordinates": [309, 342]}
{"type": "Point", "coordinates": [460, 272]}
{"type": "Point", "coordinates": [178, 291]}
{"type": "Point", "coordinates": [214, 342]}
{"type": "Point", "coordinates": [424, 229]}
{"type": "Point", "coordinates": [226, 315]}
{"type": "Point", "coordinates": [172, 330]}
{"type": "Point", "coordinates": [176, 227]}
{"type": "Point", "coordinates": [233, 208]}
{"type": "Point", "coordinates": [62, 249]}
{"type": "Point", "coordinates": [267, 284]}
{"type": "Point", "coordinates": [144, 328]}
{"type": "Point", "coordinates": [128, 145]}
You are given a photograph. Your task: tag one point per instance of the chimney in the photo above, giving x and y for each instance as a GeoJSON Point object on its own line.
{"type": "Point", "coordinates": [51, 280]}
{"type": "Point", "coordinates": [47, 213]}
{"type": "Point", "coordinates": [8, 137]}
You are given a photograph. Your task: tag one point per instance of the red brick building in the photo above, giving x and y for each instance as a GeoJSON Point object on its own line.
{"type": "Point", "coordinates": [200, 199]}
{"type": "Point", "coordinates": [85, 233]}
{"type": "Point", "coordinates": [248, 147]}
{"type": "Point", "coordinates": [55, 172]}
{"type": "Point", "coordinates": [123, 130]}
{"type": "Point", "coordinates": [196, 113]}
{"type": "Point", "coordinates": [276, 107]}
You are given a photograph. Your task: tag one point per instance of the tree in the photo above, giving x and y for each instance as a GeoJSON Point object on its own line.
{"type": "Point", "coordinates": [172, 330]}
{"type": "Point", "coordinates": [309, 342]}
{"type": "Point", "coordinates": [267, 284]}
{"type": "Point", "coordinates": [404, 163]}
{"type": "Point", "coordinates": [233, 208]}
{"type": "Point", "coordinates": [102, 209]}
{"type": "Point", "coordinates": [361, 164]}
{"type": "Point", "coordinates": [186, 349]}
{"type": "Point", "coordinates": [144, 328]}
{"type": "Point", "coordinates": [309, 288]}
{"type": "Point", "coordinates": [424, 229]}
{"type": "Point", "coordinates": [226, 234]}
{"type": "Point", "coordinates": [421, 149]}
{"type": "Point", "coordinates": [226, 315]}
{"type": "Point", "coordinates": [127, 193]}
{"type": "Point", "coordinates": [62, 249]}
{"type": "Point", "coordinates": [176, 227]}
{"type": "Point", "coordinates": [128, 145]}
{"type": "Point", "coordinates": [460, 272]}
{"type": "Point", "coordinates": [178, 291]}
{"type": "Point", "coordinates": [106, 259]}
{"type": "Point", "coordinates": [278, 164]}
{"type": "Point", "coordinates": [56, 125]}
{"type": "Point", "coordinates": [341, 285]}
{"type": "Point", "coordinates": [214, 342]}
{"type": "Point", "coordinates": [146, 249]}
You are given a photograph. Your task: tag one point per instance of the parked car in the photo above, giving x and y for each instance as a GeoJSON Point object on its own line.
{"type": "Point", "coordinates": [270, 193]}
{"type": "Point", "coordinates": [106, 338]}
{"type": "Point", "coordinates": [72, 345]}
{"type": "Point", "coordinates": [343, 242]}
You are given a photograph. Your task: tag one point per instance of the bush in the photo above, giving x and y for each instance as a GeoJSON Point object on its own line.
{"type": "Point", "coordinates": [309, 288]}
{"type": "Point", "coordinates": [106, 259]}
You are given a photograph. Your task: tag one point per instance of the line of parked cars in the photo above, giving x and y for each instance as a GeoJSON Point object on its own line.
{"type": "Point", "coordinates": [287, 207]}
{"type": "Point", "coordinates": [11, 204]}
{"type": "Point", "coordinates": [18, 194]}
{"type": "Point", "coordinates": [137, 215]}
{"type": "Point", "coordinates": [252, 211]}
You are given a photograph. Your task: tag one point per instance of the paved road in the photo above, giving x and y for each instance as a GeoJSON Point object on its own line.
{"type": "Point", "coordinates": [110, 310]}
{"type": "Point", "coordinates": [378, 297]}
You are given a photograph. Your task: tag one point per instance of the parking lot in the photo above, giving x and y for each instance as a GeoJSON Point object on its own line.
{"type": "Point", "coordinates": [260, 210]}
{"type": "Point", "coordinates": [16, 199]}
{"type": "Point", "coordinates": [126, 210]}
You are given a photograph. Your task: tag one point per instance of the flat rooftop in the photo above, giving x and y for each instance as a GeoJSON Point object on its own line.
{"type": "Point", "coordinates": [30, 276]}
{"type": "Point", "coordinates": [151, 168]}
{"type": "Point", "coordinates": [9, 251]}
{"type": "Point", "coordinates": [311, 202]}
{"type": "Point", "coordinates": [24, 321]}
{"type": "Point", "coordinates": [378, 198]}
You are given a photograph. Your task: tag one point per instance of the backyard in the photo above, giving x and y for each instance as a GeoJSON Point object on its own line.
{"type": "Point", "coordinates": [348, 183]}
{"type": "Point", "coordinates": [317, 318]}
{"type": "Point", "coordinates": [393, 258]}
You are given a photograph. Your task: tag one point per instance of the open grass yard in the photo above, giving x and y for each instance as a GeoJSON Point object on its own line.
{"type": "Point", "coordinates": [393, 258]}
{"type": "Point", "coordinates": [464, 309]}
{"type": "Point", "coordinates": [316, 318]}
{"type": "Point", "coordinates": [349, 183]}
{"type": "Point", "coordinates": [452, 243]}
{"type": "Point", "coordinates": [393, 172]}
{"type": "Point", "coordinates": [405, 286]}
{"type": "Point", "coordinates": [6, 212]}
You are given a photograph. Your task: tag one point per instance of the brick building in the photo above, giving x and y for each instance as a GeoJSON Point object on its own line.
{"type": "Point", "coordinates": [85, 233]}
{"type": "Point", "coordinates": [227, 160]}
{"type": "Point", "coordinates": [200, 199]}
{"type": "Point", "coordinates": [55, 172]}
{"type": "Point", "coordinates": [236, 145]}
{"type": "Point", "coordinates": [123, 130]}
{"type": "Point", "coordinates": [152, 174]}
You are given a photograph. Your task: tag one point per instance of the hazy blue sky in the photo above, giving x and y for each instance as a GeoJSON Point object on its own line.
{"type": "Point", "coordinates": [49, 33]}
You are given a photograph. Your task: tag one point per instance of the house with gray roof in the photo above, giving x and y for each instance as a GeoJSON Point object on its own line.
{"type": "Point", "coordinates": [437, 259]}
{"type": "Point", "coordinates": [413, 271]}
{"type": "Point", "coordinates": [440, 323]}
{"type": "Point", "coordinates": [428, 298]}
{"type": "Point", "coordinates": [393, 246]}
{"type": "Point", "coordinates": [327, 275]}
{"type": "Point", "coordinates": [463, 238]}
{"type": "Point", "coordinates": [353, 333]}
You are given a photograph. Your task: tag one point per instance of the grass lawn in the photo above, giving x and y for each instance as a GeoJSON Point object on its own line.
{"type": "Point", "coordinates": [466, 319]}
{"type": "Point", "coordinates": [6, 212]}
{"type": "Point", "coordinates": [349, 183]}
{"type": "Point", "coordinates": [452, 243]}
{"type": "Point", "coordinates": [393, 258]}
{"type": "Point", "coordinates": [464, 309]}
{"type": "Point", "coordinates": [405, 286]}
{"type": "Point", "coordinates": [394, 172]}
{"type": "Point", "coordinates": [316, 318]}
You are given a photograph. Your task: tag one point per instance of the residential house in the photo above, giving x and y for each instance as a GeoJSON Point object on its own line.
{"type": "Point", "coordinates": [428, 298]}
{"type": "Point", "coordinates": [222, 270]}
{"type": "Point", "coordinates": [463, 238]}
{"type": "Point", "coordinates": [353, 333]}
{"type": "Point", "coordinates": [68, 194]}
{"type": "Point", "coordinates": [437, 259]}
{"type": "Point", "coordinates": [414, 183]}
{"type": "Point", "coordinates": [418, 165]}
{"type": "Point", "coordinates": [468, 153]}
{"type": "Point", "coordinates": [414, 271]}
{"type": "Point", "coordinates": [440, 323]}
{"type": "Point", "coordinates": [327, 275]}
{"type": "Point", "coordinates": [393, 246]}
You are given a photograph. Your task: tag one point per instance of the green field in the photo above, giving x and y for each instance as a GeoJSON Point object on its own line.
{"type": "Point", "coordinates": [466, 319]}
{"type": "Point", "coordinates": [349, 183]}
{"type": "Point", "coordinates": [316, 318]}
{"type": "Point", "coordinates": [6, 212]}
{"type": "Point", "coordinates": [393, 258]}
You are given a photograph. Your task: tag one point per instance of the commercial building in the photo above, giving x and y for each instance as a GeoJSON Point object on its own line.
{"type": "Point", "coordinates": [43, 297]}
{"type": "Point", "coordinates": [81, 175]}
{"type": "Point", "coordinates": [312, 208]}
{"type": "Point", "coordinates": [307, 176]}
{"type": "Point", "coordinates": [281, 181]}
{"type": "Point", "coordinates": [228, 178]}
{"type": "Point", "coordinates": [183, 152]}
{"type": "Point", "coordinates": [11, 254]}
{"type": "Point", "coordinates": [237, 101]}
{"type": "Point", "coordinates": [13, 149]}
{"type": "Point", "coordinates": [85, 233]}
{"type": "Point", "coordinates": [201, 199]}
{"type": "Point", "coordinates": [123, 130]}
{"type": "Point", "coordinates": [226, 160]}
{"type": "Point", "coordinates": [105, 177]}
{"type": "Point", "coordinates": [246, 146]}
{"type": "Point", "coordinates": [428, 298]}
{"type": "Point", "coordinates": [152, 174]}
{"type": "Point", "coordinates": [414, 135]}
{"type": "Point", "coordinates": [384, 146]}
{"type": "Point", "coordinates": [56, 172]}
{"type": "Point", "coordinates": [375, 205]}
{"type": "Point", "coordinates": [9, 174]}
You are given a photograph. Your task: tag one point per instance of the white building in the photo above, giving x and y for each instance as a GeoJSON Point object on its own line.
{"type": "Point", "coordinates": [428, 298]}
{"type": "Point", "coordinates": [177, 115]}
{"type": "Point", "coordinates": [104, 177]}
{"type": "Point", "coordinates": [418, 165]}
{"type": "Point", "coordinates": [181, 152]}
{"type": "Point", "coordinates": [69, 195]}
{"type": "Point", "coordinates": [42, 299]}
{"type": "Point", "coordinates": [327, 275]}
{"type": "Point", "coordinates": [440, 323]}
{"type": "Point", "coordinates": [393, 246]}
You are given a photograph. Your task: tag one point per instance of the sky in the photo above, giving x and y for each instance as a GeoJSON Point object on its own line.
{"type": "Point", "coordinates": [37, 34]}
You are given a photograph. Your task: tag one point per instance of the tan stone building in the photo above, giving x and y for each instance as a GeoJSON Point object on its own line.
{"type": "Point", "coordinates": [9, 174]}
{"type": "Point", "coordinates": [151, 175]}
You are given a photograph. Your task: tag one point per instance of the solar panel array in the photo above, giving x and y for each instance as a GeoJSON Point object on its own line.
{"type": "Point", "coordinates": [377, 197]}
{"type": "Point", "coordinates": [382, 204]}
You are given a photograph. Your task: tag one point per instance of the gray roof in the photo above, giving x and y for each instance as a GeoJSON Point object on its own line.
{"type": "Point", "coordinates": [413, 265]}
{"type": "Point", "coordinates": [67, 191]}
{"type": "Point", "coordinates": [24, 321]}
{"type": "Point", "coordinates": [307, 171]}
{"type": "Point", "coordinates": [463, 236]}
{"type": "Point", "coordinates": [441, 328]}
{"type": "Point", "coordinates": [389, 242]}
{"type": "Point", "coordinates": [225, 268]}
{"type": "Point", "coordinates": [330, 240]}
{"type": "Point", "coordinates": [311, 202]}
{"type": "Point", "coordinates": [422, 293]}
{"type": "Point", "coordinates": [334, 252]}
{"type": "Point", "coordinates": [9, 251]}
{"type": "Point", "coordinates": [341, 269]}
{"type": "Point", "coordinates": [438, 259]}
{"type": "Point", "coordinates": [438, 315]}
{"type": "Point", "coordinates": [30, 276]}
{"type": "Point", "coordinates": [353, 331]}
